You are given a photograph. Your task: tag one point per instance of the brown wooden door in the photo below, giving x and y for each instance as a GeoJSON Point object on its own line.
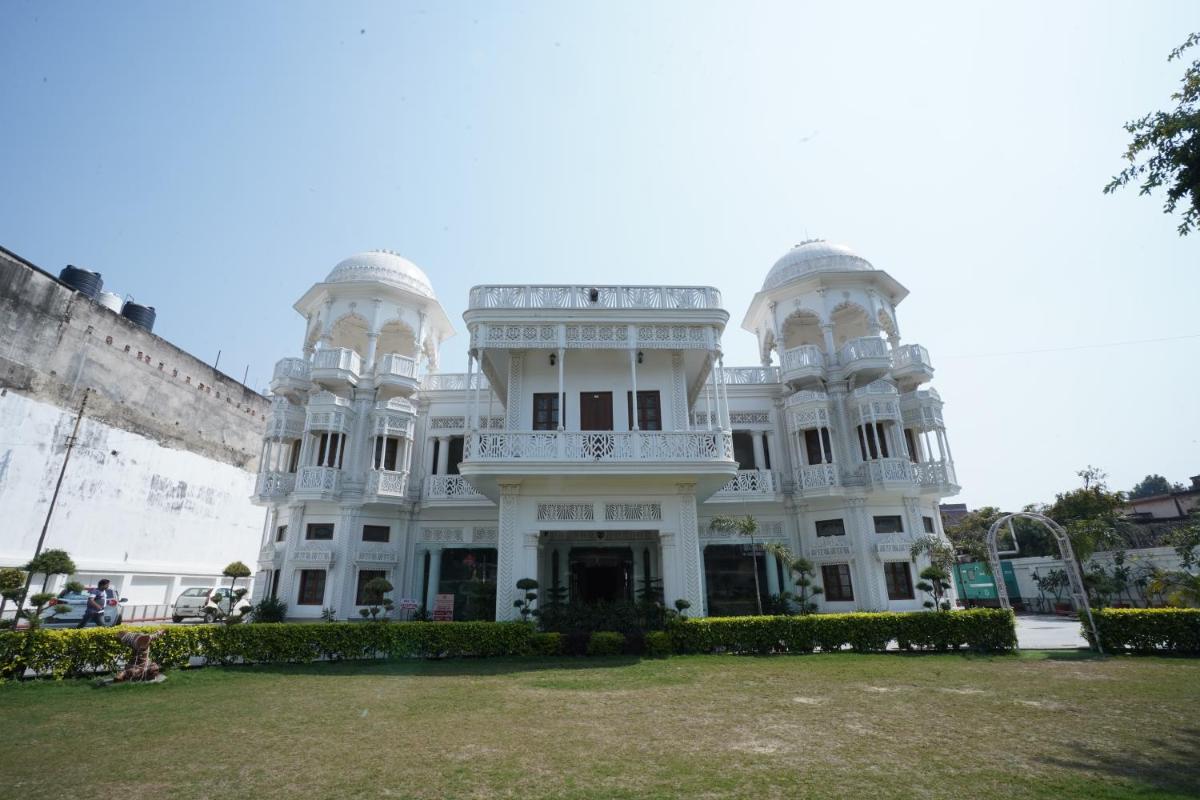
{"type": "Point", "coordinates": [595, 411]}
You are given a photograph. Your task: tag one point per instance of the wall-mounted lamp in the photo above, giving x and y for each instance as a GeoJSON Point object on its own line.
{"type": "Point", "coordinates": [553, 359]}
{"type": "Point", "coordinates": [594, 295]}
{"type": "Point", "coordinates": [641, 356]}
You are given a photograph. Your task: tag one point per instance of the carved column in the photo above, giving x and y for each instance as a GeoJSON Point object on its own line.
{"type": "Point", "coordinates": [690, 577]}
{"type": "Point", "coordinates": [512, 405]}
{"type": "Point", "coordinates": [679, 408]}
{"type": "Point", "coordinates": [866, 572]}
{"type": "Point", "coordinates": [508, 543]}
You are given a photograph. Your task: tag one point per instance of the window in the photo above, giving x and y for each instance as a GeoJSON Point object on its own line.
{"type": "Point", "coordinates": [899, 580]}
{"type": "Point", "coordinates": [766, 452]}
{"type": "Point", "coordinates": [312, 588]}
{"type": "Point", "coordinates": [743, 449]}
{"type": "Point", "coordinates": [330, 449]}
{"type": "Point", "coordinates": [910, 439]}
{"type": "Point", "coordinates": [319, 531]}
{"type": "Point", "coordinates": [595, 411]}
{"type": "Point", "coordinates": [387, 450]}
{"type": "Point", "coordinates": [294, 457]}
{"type": "Point", "coordinates": [274, 584]}
{"type": "Point", "coordinates": [831, 527]}
{"type": "Point", "coordinates": [729, 578]}
{"type": "Point", "coordinates": [365, 576]}
{"type": "Point", "coordinates": [545, 411]}
{"type": "Point", "coordinates": [455, 455]}
{"type": "Point", "coordinates": [928, 524]}
{"type": "Point", "coordinates": [836, 580]}
{"type": "Point", "coordinates": [817, 446]}
{"type": "Point", "coordinates": [889, 524]}
{"type": "Point", "coordinates": [376, 533]}
{"type": "Point", "coordinates": [281, 533]}
{"type": "Point", "coordinates": [873, 441]}
{"type": "Point", "coordinates": [649, 410]}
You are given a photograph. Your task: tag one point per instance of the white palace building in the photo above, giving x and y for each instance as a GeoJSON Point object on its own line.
{"type": "Point", "coordinates": [593, 438]}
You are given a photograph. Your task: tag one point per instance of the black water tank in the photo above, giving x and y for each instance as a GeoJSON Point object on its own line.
{"type": "Point", "coordinates": [138, 314]}
{"type": "Point", "coordinates": [82, 280]}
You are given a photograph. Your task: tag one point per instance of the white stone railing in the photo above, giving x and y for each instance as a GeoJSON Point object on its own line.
{"type": "Point", "coordinates": [816, 476]}
{"type": "Point", "coordinates": [291, 369]}
{"type": "Point", "coordinates": [449, 487]}
{"type": "Point", "coordinates": [876, 389]}
{"type": "Point", "coordinates": [387, 483]}
{"type": "Point", "coordinates": [452, 381]}
{"type": "Point", "coordinates": [274, 484]}
{"type": "Point", "coordinates": [750, 482]}
{"type": "Point", "coordinates": [911, 355]}
{"type": "Point", "coordinates": [935, 473]}
{"type": "Point", "coordinates": [588, 446]}
{"type": "Point", "coordinates": [750, 375]}
{"type": "Point", "coordinates": [885, 471]}
{"type": "Point", "coordinates": [608, 297]}
{"type": "Point", "coordinates": [804, 357]}
{"type": "Point", "coordinates": [286, 420]}
{"type": "Point", "coordinates": [342, 359]}
{"type": "Point", "coordinates": [867, 347]}
{"type": "Point", "coordinates": [397, 366]}
{"type": "Point", "coordinates": [805, 398]}
{"type": "Point", "coordinates": [319, 479]}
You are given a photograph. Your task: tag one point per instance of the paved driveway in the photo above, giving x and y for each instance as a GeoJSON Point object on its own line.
{"type": "Point", "coordinates": [1046, 632]}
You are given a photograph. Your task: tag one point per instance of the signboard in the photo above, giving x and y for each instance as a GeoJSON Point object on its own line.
{"type": "Point", "coordinates": [408, 604]}
{"type": "Point", "coordinates": [443, 608]}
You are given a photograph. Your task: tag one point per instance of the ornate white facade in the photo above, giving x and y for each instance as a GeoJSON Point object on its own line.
{"type": "Point", "coordinates": [595, 434]}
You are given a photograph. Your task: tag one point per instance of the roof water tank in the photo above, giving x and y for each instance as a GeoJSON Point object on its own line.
{"type": "Point", "coordinates": [110, 300]}
{"type": "Point", "coordinates": [139, 314]}
{"type": "Point", "coordinates": [82, 280]}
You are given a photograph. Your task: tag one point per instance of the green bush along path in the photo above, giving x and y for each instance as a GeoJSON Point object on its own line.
{"type": "Point", "coordinates": [1029, 725]}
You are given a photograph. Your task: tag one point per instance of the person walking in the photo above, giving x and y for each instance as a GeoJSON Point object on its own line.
{"type": "Point", "coordinates": [95, 604]}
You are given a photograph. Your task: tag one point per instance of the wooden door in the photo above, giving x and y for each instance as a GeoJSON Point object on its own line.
{"type": "Point", "coordinates": [595, 411]}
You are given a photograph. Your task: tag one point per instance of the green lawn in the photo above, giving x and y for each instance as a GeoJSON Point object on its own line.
{"type": "Point", "coordinates": [843, 725]}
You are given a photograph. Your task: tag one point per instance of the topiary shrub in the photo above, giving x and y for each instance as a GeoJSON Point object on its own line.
{"type": "Point", "coordinates": [546, 644]}
{"type": "Point", "coordinates": [605, 643]}
{"type": "Point", "coordinates": [658, 644]}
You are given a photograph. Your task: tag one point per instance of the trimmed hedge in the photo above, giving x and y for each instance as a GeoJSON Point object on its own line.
{"type": "Point", "coordinates": [605, 643]}
{"type": "Point", "coordinates": [1147, 630]}
{"type": "Point", "coordinates": [986, 629]}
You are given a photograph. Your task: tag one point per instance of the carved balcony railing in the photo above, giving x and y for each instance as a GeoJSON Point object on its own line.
{"type": "Point", "coordinates": [274, 485]}
{"type": "Point", "coordinates": [911, 365]}
{"type": "Point", "coordinates": [922, 409]}
{"type": "Point", "coordinates": [936, 476]}
{"type": "Point", "coordinates": [291, 376]}
{"type": "Point", "coordinates": [382, 483]}
{"type": "Point", "coordinates": [337, 365]}
{"type": "Point", "coordinates": [604, 297]}
{"type": "Point", "coordinates": [805, 361]}
{"type": "Point", "coordinates": [286, 420]}
{"type": "Point", "coordinates": [736, 376]}
{"type": "Point", "coordinates": [891, 473]}
{"type": "Point", "coordinates": [452, 382]}
{"type": "Point", "coordinates": [747, 484]}
{"type": "Point", "coordinates": [450, 487]}
{"type": "Point", "coordinates": [867, 356]}
{"type": "Point", "coordinates": [396, 365]}
{"type": "Point", "coordinates": [319, 480]}
{"type": "Point", "coordinates": [588, 446]}
{"type": "Point", "coordinates": [817, 479]}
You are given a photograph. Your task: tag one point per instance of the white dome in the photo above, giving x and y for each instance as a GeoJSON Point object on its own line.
{"type": "Point", "coordinates": [382, 266]}
{"type": "Point", "coordinates": [814, 255]}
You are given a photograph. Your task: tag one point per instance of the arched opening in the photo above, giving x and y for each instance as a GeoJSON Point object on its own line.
{"type": "Point", "coordinates": [801, 328]}
{"type": "Point", "coordinates": [1079, 596]}
{"type": "Point", "coordinates": [351, 332]}
{"type": "Point", "coordinates": [396, 337]}
{"type": "Point", "coordinates": [887, 324]}
{"type": "Point", "coordinates": [849, 322]}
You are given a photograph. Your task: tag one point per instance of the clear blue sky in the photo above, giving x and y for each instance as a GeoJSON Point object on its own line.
{"type": "Point", "coordinates": [216, 159]}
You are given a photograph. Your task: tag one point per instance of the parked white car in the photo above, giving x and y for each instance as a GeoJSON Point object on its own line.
{"type": "Point", "coordinates": [202, 603]}
{"type": "Point", "coordinates": [75, 603]}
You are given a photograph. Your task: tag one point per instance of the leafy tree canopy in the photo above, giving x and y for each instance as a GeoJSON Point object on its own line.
{"type": "Point", "coordinates": [1165, 150]}
{"type": "Point", "coordinates": [236, 570]}
{"type": "Point", "coordinates": [1152, 485]}
{"type": "Point", "coordinates": [11, 578]}
{"type": "Point", "coordinates": [51, 562]}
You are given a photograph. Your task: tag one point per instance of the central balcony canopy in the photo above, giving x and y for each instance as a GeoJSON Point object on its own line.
{"type": "Point", "coordinates": [702, 457]}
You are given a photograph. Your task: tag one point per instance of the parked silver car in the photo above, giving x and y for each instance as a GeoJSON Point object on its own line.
{"type": "Point", "coordinates": [67, 609]}
{"type": "Point", "coordinates": [202, 603]}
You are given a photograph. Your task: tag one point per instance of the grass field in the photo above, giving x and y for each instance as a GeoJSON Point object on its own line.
{"type": "Point", "coordinates": [829, 726]}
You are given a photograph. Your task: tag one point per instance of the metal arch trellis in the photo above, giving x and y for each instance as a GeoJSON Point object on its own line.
{"type": "Point", "coordinates": [1078, 592]}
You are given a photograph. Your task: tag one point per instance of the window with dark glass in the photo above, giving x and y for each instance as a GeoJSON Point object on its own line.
{"type": "Point", "coordinates": [312, 588]}
{"type": "Point", "coordinates": [455, 455]}
{"type": "Point", "coordinates": [294, 457]}
{"type": "Point", "coordinates": [274, 584]}
{"type": "Point", "coordinates": [470, 575]}
{"type": "Point", "coordinates": [376, 533]}
{"type": "Point", "coordinates": [387, 450]}
{"type": "Point", "coordinates": [743, 449]}
{"type": "Point", "coordinates": [835, 580]}
{"type": "Point", "coordinates": [365, 576]}
{"type": "Point", "coordinates": [928, 524]}
{"type": "Point", "coordinates": [545, 411]}
{"type": "Point", "coordinates": [330, 450]}
{"type": "Point", "coordinates": [649, 410]}
{"type": "Point", "coordinates": [889, 524]}
{"type": "Point", "coordinates": [831, 527]}
{"type": "Point", "coordinates": [729, 578]}
{"type": "Point", "coordinates": [766, 452]}
{"type": "Point", "coordinates": [817, 446]}
{"type": "Point", "coordinates": [899, 580]}
{"type": "Point", "coordinates": [281, 533]}
{"type": "Point", "coordinates": [872, 441]}
{"type": "Point", "coordinates": [910, 439]}
{"type": "Point", "coordinates": [319, 530]}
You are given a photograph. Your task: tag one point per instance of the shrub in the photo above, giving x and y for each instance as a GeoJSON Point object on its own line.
{"type": "Point", "coordinates": [546, 644]}
{"type": "Point", "coordinates": [1147, 630]}
{"type": "Point", "coordinates": [658, 644]}
{"type": "Point", "coordinates": [270, 609]}
{"type": "Point", "coordinates": [605, 643]}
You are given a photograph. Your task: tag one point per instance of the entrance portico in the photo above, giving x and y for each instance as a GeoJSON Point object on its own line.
{"type": "Point", "coordinates": [600, 566]}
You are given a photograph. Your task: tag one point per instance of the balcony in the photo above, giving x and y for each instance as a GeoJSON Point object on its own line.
{"type": "Point", "coordinates": [336, 368]}
{"type": "Point", "coordinates": [865, 359]}
{"type": "Point", "coordinates": [702, 457]}
{"type": "Point", "coordinates": [936, 478]}
{"type": "Point", "coordinates": [387, 486]}
{"type": "Point", "coordinates": [330, 413]}
{"type": "Point", "coordinates": [451, 490]}
{"type": "Point", "coordinates": [595, 297]}
{"type": "Point", "coordinates": [274, 486]}
{"type": "Point", "coordinates": [803, 364]}
{"type": "Point", "coordinates": [286, 420]}
{"type": "Point", "coordinates": [891, 474]}
{"type": "Point", "coordinates": [818, 480]}
{"type": "Point", "coordinates": [749, 376]}
{"type": "Point", "coordinates": [922, 409]}
{"type": "Point", "coordinates": [291, 378]}
{"type": "Point", "coordinates": [911, 366]}
{"type": "Point", "coordinates": [396, 375]}
{"type": "Point", "coordinates": [876, 401]}
{"type": "Point", "coordinates": [748, 484]}
{"type": "Point", "coordinates": [318, 482]}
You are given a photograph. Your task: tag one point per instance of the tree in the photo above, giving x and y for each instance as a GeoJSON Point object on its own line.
{"type": "Point", "coordinates": [1150, 486]}
{"type": "Point", "coordinates": [935, 581]}
{"type": "Point", "coordinates": [234, 571]}
{"type": "Point", "coordinates": [1170, 143]}
{"type": "Point", "coordinates": [525, 605]}
{"type": "Point", "coordinates": [744, 526]}
{"type": "Point", "coordinates": [1092, 516]}
{"type": "Point", "coordinates": [1181, 587]}
{"type": "Point", "coordinates": [374, 590]}
{"type": "Point", "coordinates": [12, 580]}
{"type": "Point", "coordinates": [50, 562]}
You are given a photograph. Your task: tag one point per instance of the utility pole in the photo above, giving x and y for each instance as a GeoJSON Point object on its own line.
{"type": "Point", "coordinates": [53, 500]}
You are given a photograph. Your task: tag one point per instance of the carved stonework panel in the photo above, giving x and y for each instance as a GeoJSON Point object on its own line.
{"type": "Point", "coordinates": [442, 535]}
{"type": "Point", "coordinates": [617, 512]}
{"type": "Point", "coordinates": [567, 512]}
{"type": "Point", "coordinates": [485, 535]}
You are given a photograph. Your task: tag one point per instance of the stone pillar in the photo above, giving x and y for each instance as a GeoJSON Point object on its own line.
{"type": "Point", "coordinates": [689, 575]}
{"type": "Point", "coordinates": [772, 573]}
{"type": "Point", "coordinates": [831, 357]}
{"type": "Point", "coordinates": [509, 548]}
{"type": "Point", "coordinates": [443, 459]}
{"type": "Point", "coordinates": [760, 459]}
{"type": "Point", "coordinates": [866, 573]}
{"type": "Point", "coordinates": [512, 404]}
{"type": "Point", "coordinates": [435, 576]}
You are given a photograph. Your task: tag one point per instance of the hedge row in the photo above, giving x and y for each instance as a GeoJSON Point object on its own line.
{"type": "Point", "coordinates": [1147, 630]}
{"type": "Point", "coordinates": [985, 629]}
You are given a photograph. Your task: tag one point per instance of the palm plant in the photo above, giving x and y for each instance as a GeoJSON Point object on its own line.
{"type": "Point", "coordinates": [743, 526]}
